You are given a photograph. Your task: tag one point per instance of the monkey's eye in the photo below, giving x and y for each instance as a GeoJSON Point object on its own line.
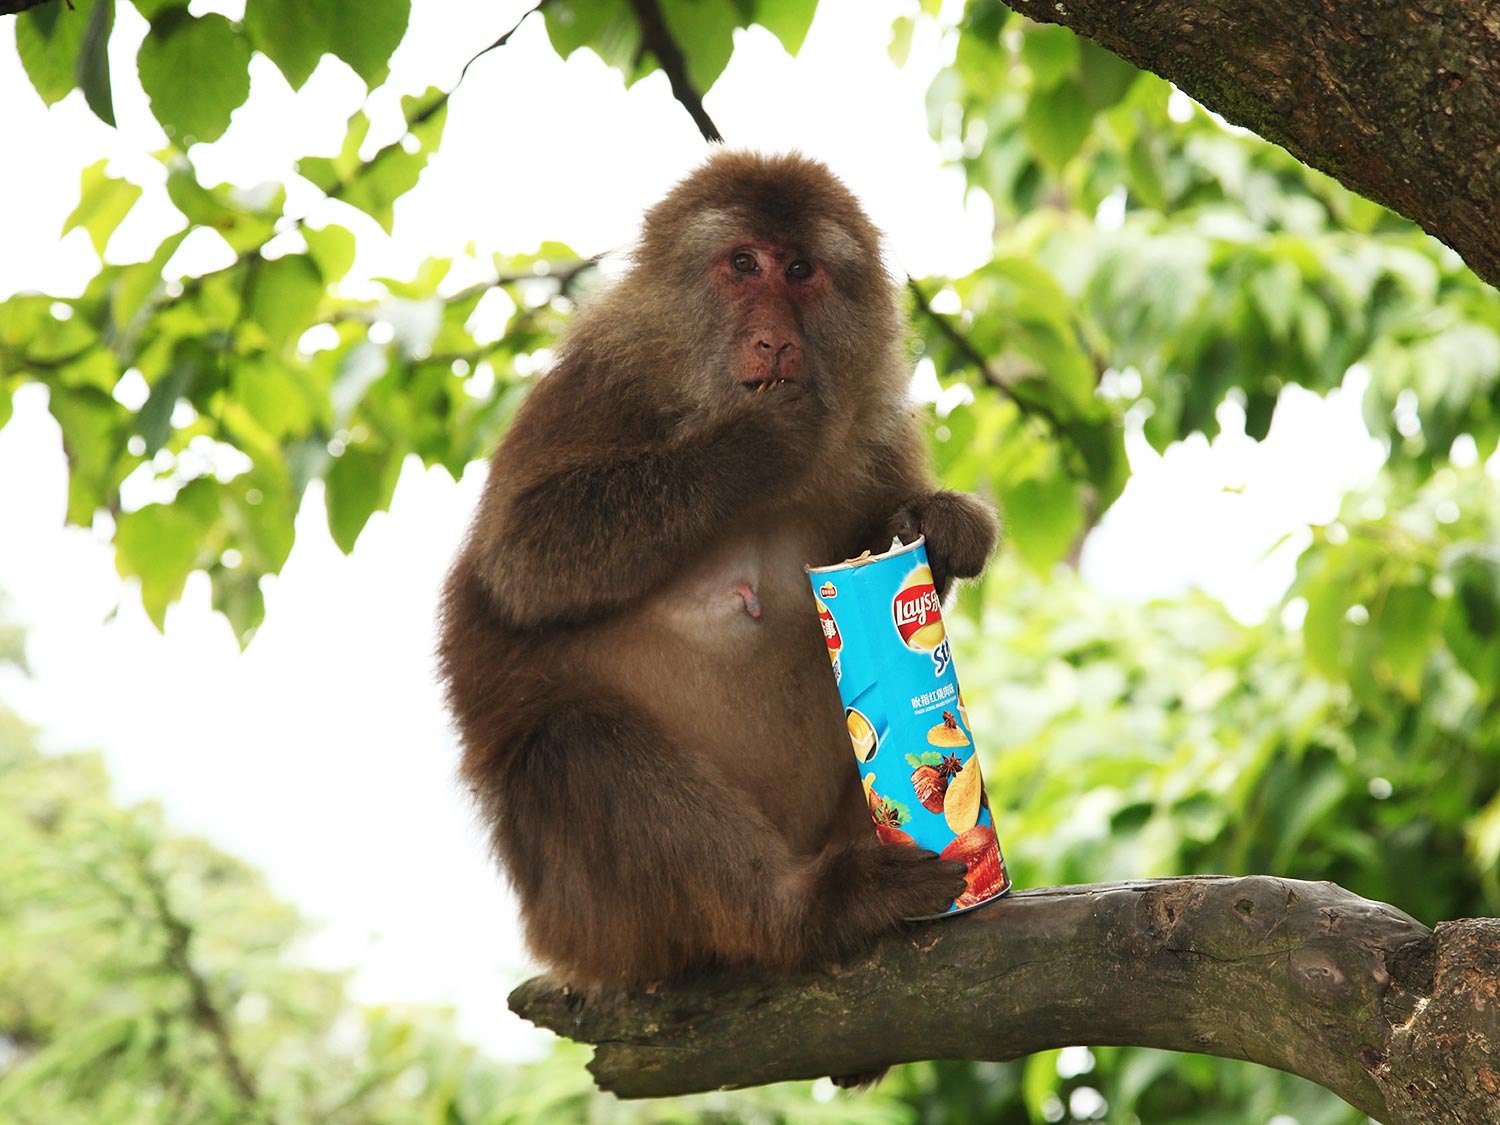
{"type": "Point", "coordinates": [799, 270]}
{"type": "Point", "coordinates": [743, 262]}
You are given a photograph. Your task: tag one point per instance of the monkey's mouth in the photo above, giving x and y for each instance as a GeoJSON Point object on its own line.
{"type": "Point", "coordinates": [764, 385]}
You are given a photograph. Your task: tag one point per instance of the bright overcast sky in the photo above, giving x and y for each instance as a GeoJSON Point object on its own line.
{"type": "Point", "coordinates": [322, 754]}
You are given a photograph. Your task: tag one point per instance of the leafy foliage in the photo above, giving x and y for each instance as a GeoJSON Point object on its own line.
{"type": "Point", "coordinates": [147, 977]}
{"type": "Point", "coordinates": [1150, 265]}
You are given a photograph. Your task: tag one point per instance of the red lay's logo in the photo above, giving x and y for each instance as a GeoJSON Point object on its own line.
{"type": "Point", "coordinates": [916, 612]}
{"type": "Point", "coordinates": [828, 590]}
{"type": "Point", "coordinates": [831, 635]}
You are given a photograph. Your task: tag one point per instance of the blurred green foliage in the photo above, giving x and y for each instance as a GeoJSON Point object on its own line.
{"type": "Point", "coordinates": [147, 977]}
{"type": "Point", "coordinates": [1150, 265]}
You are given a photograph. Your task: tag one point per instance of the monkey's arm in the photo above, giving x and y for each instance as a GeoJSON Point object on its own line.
{"type": "Point", "coordinates": [571, 530]}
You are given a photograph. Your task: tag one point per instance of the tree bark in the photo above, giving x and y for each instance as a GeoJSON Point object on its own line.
{"type": "Point", "coordinates": [1397, 99]}
{"type": "Point", "coordinates": [1397, 1019]}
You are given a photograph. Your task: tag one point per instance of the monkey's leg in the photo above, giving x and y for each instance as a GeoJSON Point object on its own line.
{"type": "Point", "coordinates": [634, 863]}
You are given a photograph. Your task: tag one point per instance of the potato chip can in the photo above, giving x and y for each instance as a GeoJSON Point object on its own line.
{"type": "Point", "coordinates": [888, 648]}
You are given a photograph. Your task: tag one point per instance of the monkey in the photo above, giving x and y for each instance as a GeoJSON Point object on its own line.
{"type": "Point", "coordinates": [627, 637]}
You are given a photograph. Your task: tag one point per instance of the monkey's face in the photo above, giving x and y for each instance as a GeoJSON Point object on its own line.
{"type": "Point", "coordinates": [769, 290]}
{"type": "Point", "coordinates": [778, 281]}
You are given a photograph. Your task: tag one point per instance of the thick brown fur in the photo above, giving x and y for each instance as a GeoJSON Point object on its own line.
{"type": "Point", "coordinates": [628, 639]}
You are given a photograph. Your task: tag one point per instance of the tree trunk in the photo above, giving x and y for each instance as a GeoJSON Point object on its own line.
{"type": "Point", "coordinates": [1307, 977]}
{"type": "Point", "coordinates": [1397, 99]}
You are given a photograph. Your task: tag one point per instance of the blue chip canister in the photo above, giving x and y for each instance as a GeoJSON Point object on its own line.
{"type": "Point", "coordinates": [884, 627]}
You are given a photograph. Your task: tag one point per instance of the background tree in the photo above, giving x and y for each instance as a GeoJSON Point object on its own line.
{"type": "Point", "coordinates": [146, 976]}
{"type": "Point", "coordinates": [1155, 273]}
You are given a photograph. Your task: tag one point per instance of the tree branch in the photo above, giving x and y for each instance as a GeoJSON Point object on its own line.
{"type": "Point", "coordinates": [498, 43]}
{"type": "Point", "coordinates": [201, 1008]}
{"type": "Point", "coordinates": [966, 348]}
{"type": "Point", "coordinates": [12, 7]}
{"type": "Point", "coordinates": [1306, 977]}
{"type": "Point", "coordinates": [1396, 101]}
{"type": "Point", "coordinates": [658, 39]}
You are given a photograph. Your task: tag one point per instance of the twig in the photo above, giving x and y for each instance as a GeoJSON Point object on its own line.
{"type": "Point", "coordinates": [202, 1008]}
{"type": "Point", "coordinates": [658, 39]}
{"type": "Point", "coordinates": [976, 358]}
{"type": "Point", "coordinates": [502, 41]}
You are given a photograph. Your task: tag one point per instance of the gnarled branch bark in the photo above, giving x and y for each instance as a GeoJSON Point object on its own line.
{"type": "Point", "coordinates": [1401, 1021]}
{"type": "Point", "coordinates": [1396, 99]}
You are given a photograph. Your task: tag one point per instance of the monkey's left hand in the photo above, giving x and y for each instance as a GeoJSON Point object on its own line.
{"type": "Point", "coordinates": [961, 532]}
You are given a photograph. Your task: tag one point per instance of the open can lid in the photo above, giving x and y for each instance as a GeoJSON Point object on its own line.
{"type": "Point", "coordinates": [897, 548]}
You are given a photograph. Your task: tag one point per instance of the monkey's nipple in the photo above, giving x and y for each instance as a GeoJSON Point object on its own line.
{"type": "Point", "coordinates": [747, 595]}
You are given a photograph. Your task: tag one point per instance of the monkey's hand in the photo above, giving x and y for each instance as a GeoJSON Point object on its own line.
{"type": "Point", "coordinates": [961, 532]}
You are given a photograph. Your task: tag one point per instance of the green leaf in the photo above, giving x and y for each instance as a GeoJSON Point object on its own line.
{"type": "Point", "coordinates": [282, 296]}
{"type": "Point", "coordinates": [275, 400]}
{"type": "Point", "coordinates": [1043, 518]}
{"type": "Point", "coordinates": [93, 61]}
{"type": "Point", "coordinates": [393, 171]}
{"type": "Point", "coordinates": [135, 283]}
{"type": "Point", "coordinates": [292, 35]}
{"type": "Point", "coordinates": [788, 20]}
{"type": "Point", "coordinates": [243, 218]}
{"type": "Point", "coordinates": [295, 34]}
{"type": "Point", "coordinates": [704, 29]}
{"type": "Point", "coordinates": [91, 422]}
{"type": "Point", "coordinates": [1039, 1082]}
{"type": "Point", "coordinates": [1277, 290]}
{"type": "Point", "coordinates": [327, 173]}
{"type": "Point", "coordinates": [1051, 53]}
{"type": "Point", "coordinates": [332, 248]}
{"type": "Point", "coordinates": [899, 48]}
{"type": "Point", "coordinates": [49, 40]}
{"type": "Point", "coordinates": [237, 595]}
{"type": "Point", "coordinates": [365, 35]}
{"type": "Point", "coordinates": [607, 27]}
{"type": "Point", "coordinates": [1057, 122]}
{"type": "Point", "coordinates": [360, 482]}
{"type": "Point", "coordinates": [1106, 78]}
{"type": "Point", "coordinates": [102, 202]}
{"type": "Point", "coordinates": [1323, 627]}
{"type": "Point", "coordinates": [196, 73]}
{"type": "Point", "coordinates": [1406, 621]}
{"type": "Point", "coordinates": [161, 543]}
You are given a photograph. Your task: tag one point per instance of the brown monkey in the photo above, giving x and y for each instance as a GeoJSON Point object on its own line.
{"type": "Point", "coordinates": [630, 645]}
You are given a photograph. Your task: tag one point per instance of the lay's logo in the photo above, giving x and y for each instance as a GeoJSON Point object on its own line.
{"type": "Point", "coordinates": [917, 613]}
{"type": "Point", "coordinates": [828, 590]}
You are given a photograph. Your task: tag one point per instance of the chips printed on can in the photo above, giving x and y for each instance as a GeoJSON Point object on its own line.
{"type": "Point", "coordinates": [883, 624]}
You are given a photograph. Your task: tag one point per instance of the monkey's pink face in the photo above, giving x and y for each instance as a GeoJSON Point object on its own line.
{"type": "Point", "coordinates": [771, 291]}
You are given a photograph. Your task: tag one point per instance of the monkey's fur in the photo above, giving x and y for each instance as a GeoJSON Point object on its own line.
{"type": "Point", "coordinates": [628, 639]}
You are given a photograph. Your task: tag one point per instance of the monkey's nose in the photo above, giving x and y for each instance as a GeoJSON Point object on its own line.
{"type": "Point", "coordinates": [782, 356]}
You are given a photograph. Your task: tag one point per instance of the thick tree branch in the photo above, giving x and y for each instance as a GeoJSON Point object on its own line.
{"type": "Point", "coordinates": [1398, 101]}
{"type": "Point", "coordinates": [1307, 977]}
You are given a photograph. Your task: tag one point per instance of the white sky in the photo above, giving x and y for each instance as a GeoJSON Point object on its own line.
{"type": "Point", "coordinates": [322, 754]}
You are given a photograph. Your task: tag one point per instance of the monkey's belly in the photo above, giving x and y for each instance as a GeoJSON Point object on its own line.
{"type": "Point", "coordinates": [743, 685]}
